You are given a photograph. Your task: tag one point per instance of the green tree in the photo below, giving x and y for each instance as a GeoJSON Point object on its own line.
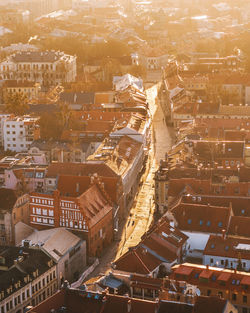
{"type": "Point", "coordinates": [16, 103]}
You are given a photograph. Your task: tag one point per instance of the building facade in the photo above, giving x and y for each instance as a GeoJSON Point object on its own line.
{"type": "Point", "coordinates": [20, 132]}
{"type": "Point", "coordinates": [48, 68]}
{"type": "Point", "coordinates": [27, 277]}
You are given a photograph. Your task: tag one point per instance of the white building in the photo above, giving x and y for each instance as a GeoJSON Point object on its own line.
{"type": "Point", "coordinates": [3, 117]}
{"type": "Point", "coordinates": [227, 252]}
{"type": "Point", "coordinates": [20, 132]}
{"type": "Point", "coordinates": [44, 67]}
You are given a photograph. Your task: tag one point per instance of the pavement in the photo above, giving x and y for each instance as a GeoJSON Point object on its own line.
{"type": "Point", "coordinates": [141, 214]}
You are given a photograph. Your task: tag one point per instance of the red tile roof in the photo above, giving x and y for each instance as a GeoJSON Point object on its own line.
{"type": "Point", "coordinates": [226, 247]}
{"type": "Point", "coordinates": [224, 276]}
{"type": "Point", "coordinates": [80, 169]}
{"type": "Point", "coordinates": [239, 226]}
{"type": "Point", "coordinates": [206, 274]}
{"type": "Point", "coordinates": [202, 218]}
{"type": "Point", "coordinates": [209, 304]}
{"type": "Point", "coordinates": [182, 270]}
{"type": "Point", "coordinates": [158, 245]}
{"type": "Point", "coordinates": [94, 205]}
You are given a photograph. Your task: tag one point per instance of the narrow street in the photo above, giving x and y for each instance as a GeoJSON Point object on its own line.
{"type": "Point", "coordinates": [141, 214]}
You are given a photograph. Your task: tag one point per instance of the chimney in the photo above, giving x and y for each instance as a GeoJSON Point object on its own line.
{"type": "Point", "coordinates": [157, 305]}
{"type": "Point", "coordinates": [129, 305]}
{"type": "Point", "coordinates": [223, 234]}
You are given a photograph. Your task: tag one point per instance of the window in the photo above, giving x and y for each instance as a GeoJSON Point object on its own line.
{"type": "Point", "coordinates": [220, 294]}
{"type": "Point", "coordinates": [208, 223]}
{"type": "Point", "coordinates": [222, 262]}
{"type": "Point", "coordinates": [208, 292]}
{"type": "Point", "coordinates": [189, 221]}
{"type": "Point", "coordinates": [234, 297]}
{"type": "Point", "coordinates": [244, 299]}
{"type": "Point", "coordinates": [23, 296]}
{"type": "Point", "coordinates": [211, 260]}
{"type": "Point", "coordinates": [201, 222]}
{"type": "Point", "coordinates": [220, 224]}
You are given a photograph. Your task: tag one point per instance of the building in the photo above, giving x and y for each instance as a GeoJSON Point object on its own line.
{"type": "Point", "coordinates": [8, 199]}
{"type": "Point", "coordinates": [3, 117]}
{"type": "Point", "coordinates": [48, 68]}
{"type": "Point", "coordinates": [96, 302]}
{"type": "Point", "coordinates": [125, 156]}
{"type": "Point", "coordinates": [89, 214]}
{"type": "Point", "coordinates": [20, 132]}
{"type": "Point", "coordinates": [227, 252]}
{"type": "Point", "coordinates": [27, 88]}
{"type": "Point", "coordinates": [67, 250]}
{"type": "Point", "coordinates": [160, 248]}
{"type": "Point", "coordinates": [61, 151]}
{"type": "Point", "coordinates": [65, 177]}
{"type": "Point", "coordinates": [27, 277]}
{"type": "Point", "coordinates": [231, 285]}
{"type": "Point", "coordinates": [199, 221]}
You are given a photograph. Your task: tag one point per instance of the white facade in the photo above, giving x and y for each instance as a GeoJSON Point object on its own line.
{"type": "Point", "coordinates": [46, 68]}
{"type": "Point", "coordinates": [19, 133]}
{"type": "Point", "coordinates": [3, 117]}
{"type": "Point", "coordinates": [196, 243]}
{"type": "Point", "coordinates": [225, 262]}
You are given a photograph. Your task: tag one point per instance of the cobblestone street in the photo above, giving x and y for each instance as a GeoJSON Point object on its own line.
{"type": "Point", "coordinates": [142, 211]}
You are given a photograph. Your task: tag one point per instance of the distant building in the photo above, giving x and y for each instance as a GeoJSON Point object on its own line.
{"type": "Point", "coordinates": [3, 117]}
{"type": "Point", "coordinates": [20, 132]}
{"type": "Point", "coordinates": [48, 68]}
{"type": "Point", "coordinates": [28, 89]}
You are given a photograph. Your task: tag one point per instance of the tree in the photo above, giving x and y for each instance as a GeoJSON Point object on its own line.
{"type": "Point", "coordinates": [51, 126]}
{"type": "Point", "coordinates": [16, 103]}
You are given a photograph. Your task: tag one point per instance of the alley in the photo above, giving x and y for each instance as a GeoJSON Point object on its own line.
{"type": "Point", "coordinates": [141, 214]}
